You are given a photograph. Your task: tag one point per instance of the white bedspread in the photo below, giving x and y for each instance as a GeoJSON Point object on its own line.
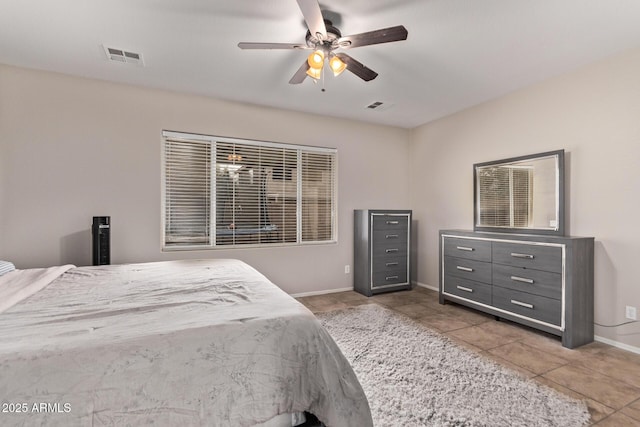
{"type": "Point", "coordinates": [21, 284]}
{"type": "Point", "coordinates": [200, 342]}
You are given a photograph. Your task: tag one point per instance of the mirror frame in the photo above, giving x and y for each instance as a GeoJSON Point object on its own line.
{"type": "Point", "coordinates": [560, 196]}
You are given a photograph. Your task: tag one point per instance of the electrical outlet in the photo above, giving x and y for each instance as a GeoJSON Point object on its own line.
{"type": "Point", "coordinates": [347, 269]}
{"type": "Point", "coordinates": [630, 312]}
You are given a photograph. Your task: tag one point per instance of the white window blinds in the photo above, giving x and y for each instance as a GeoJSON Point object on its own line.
{"type": "Point", "coordinates": [221, 192]}
{"type": "Point", "coordinates": [187, 192]}
{"type": "Point", "coordinates": [317, 196]}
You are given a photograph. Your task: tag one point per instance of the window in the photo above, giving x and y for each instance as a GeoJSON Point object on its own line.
{"type": "Point", "coordinates": [506, 194]}
{"type": "Point", "coordinates": [225, 192]}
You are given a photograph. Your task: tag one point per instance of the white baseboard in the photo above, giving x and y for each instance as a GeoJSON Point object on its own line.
{"type": "Point", "coordinates": [617, 344]}
{"type": "Point", "coordinates": [328, 291]}
{"type": "Point", "coordinates": [423, 285]}
{"type": "Point", "coordinates": [333, 291]}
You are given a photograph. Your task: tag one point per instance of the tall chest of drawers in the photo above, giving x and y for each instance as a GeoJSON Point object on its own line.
{"type": "Point", "coordinates": [382, 242]}
{"type": "Point", "coordinates": [545, 282]}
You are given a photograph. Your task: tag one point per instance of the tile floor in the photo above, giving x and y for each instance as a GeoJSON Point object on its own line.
{"type": "Point", "coordinates": [607, 378]}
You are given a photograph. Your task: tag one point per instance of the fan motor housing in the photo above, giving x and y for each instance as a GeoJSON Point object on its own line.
{"type": "Point", "coordinates": [330, 43]}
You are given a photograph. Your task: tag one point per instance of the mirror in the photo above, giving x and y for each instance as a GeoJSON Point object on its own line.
{"type": "Point", "coordinates": [520, 195]}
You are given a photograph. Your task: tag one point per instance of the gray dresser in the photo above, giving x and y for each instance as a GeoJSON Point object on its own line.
{"type": "Point", "coordinates": [545, 282]}
{"type": "Point", "coordinates": [382, 241]}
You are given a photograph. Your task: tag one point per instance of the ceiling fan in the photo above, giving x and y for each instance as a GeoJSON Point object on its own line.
{"type": "Point", "coordinates": [324, 39]}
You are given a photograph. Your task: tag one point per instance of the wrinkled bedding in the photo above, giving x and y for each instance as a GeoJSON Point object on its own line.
{"type": "Point", "coordinates": [21, 284]}
{"type": "Point", "coordinates": [190, 343]}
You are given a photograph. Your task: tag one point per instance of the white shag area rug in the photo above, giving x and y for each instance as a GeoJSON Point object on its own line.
{"type": "Point", "coordinates": [413, 376]}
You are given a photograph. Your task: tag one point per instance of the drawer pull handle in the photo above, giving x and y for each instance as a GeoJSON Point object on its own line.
{"type": "Point", "coordinates": [517, 255]}
{"type": "Point", "coordinates": [464, 248]}
{"type": "Point", "coordinates": [462, 288]}
{"type": "Point", "coordinates": [390, 264]}
{"type": "Point", "coordinates": [521, 304]}
{"type": "Point", "coordinates": [522, 279]}
{"type": "Point", "coordinates": [391, 236]}
{"type": "Point", "coordinates": [464, 268]}
{"type": "Point", "coordinates": [393, 222]}
{"type": "Point", "coordinates": [391, 277]}
{"type": "Point", "coordinates": [391, 250]}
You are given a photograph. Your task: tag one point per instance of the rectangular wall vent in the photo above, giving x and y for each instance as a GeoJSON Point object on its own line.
{"type": "Point", "coordinates": [121, 55]}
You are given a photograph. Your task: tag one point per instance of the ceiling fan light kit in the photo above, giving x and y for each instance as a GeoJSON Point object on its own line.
{"type": "Point", "coordinates": [316, 63]}
{"type": "Point", "coordinates": [336, 65]}
{"type": "Point", "coordinates": [324, 39]}
{"type": "Point", "coordinates": [316, 59]}
{"type": "Point", "coordinates": [315, 73]}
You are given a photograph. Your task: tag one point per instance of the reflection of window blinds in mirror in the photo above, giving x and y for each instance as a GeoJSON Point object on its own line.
{"type": "Point", "coordinates": [187, 192]}
{"type": "Point", "coordinates": [505, 196]}
{"type": "Point", "coordinates": [521, 183]}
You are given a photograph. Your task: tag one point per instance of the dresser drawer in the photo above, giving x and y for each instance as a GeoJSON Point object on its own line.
{"type": "Point", "coordinates": [389, 263]}
{"type": "Point", "coordinates": [398, 223]}
{"type": "Point", "coordinates": [534, 306]}
{"type": "Point", "coordinates": [468, 269]}
{"type": "Point", "coordinates": [476, 291]}
{"type": "Point", "coordinates": [467, 248]}
{"type": "Point", "coordinates": [390, 236]}
{"type": "Point", "coordinates": [546, 258]}
{"type": "Point", "coordinates": [389, 248]}
{"type": "Point", "coordinates": [528, 280]}
{"type": "Point", "coordinates": [392, 277]}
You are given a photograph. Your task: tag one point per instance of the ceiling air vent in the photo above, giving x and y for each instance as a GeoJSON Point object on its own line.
{"type": "Point", "coordinates": [120, 55]}
{"type": "Point", "coordinates": [379, 106]}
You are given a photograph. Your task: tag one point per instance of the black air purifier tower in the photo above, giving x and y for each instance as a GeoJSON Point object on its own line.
{"type": "Point", "coordinates": [101, 230]}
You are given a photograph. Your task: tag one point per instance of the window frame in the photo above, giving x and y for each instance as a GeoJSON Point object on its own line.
{"type": "Point", "coordinates": [213, 139]}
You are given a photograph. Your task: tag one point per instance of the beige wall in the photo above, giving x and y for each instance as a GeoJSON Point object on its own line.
{"type": "Point", "coordinates": [73, 148]}
{"type": "Point", "coordinates": [594, 114]}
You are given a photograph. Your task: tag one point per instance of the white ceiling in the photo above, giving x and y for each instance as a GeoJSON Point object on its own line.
{"type": "Point", "coordinates": [459, 52]}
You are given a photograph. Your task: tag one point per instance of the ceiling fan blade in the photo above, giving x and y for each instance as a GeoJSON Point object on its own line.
{"type": "Point", "coordinates": [313, 17]}
{"type": "Point", "coordinates": [385, 35]}
{"type": "Point", "coordinates": [300, 75]}
{"type": "Point", "coordinates": [357, 68]}
{"type": "Point", "coordinates": [244, 45]}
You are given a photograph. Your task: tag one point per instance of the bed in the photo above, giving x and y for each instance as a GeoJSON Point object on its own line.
{"type": "Point", "coordinates": [190, 343]}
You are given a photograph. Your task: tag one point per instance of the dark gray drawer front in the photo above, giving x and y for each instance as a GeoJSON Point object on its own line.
{"type": "Point", "coordinates": [390, 223]}
{"type": "Point", "coordinates": [468, 289]}
{"type": "Point", "coordinates": [467, 248]}
{"type": "Point", "coordinates": [389, 263]}
{"type": "Point", "coordinates": [546, 258]}
{"type": "Point", "coordinates": [393, 236]}
{"type": "Point", "coordinates": [392, 277]}
{"type": "Point", "coordinates": [534, 306]}
{"type": "Point", "coordinates": [468, 269]}
{"type": "Point", "coordinates": [389, 248]}
{"type": "Point", "coordinates": [527, 280]}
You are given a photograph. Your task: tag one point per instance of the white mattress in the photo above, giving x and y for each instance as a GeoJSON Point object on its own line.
{"type": "Point", "coordinates": [198, 342]}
